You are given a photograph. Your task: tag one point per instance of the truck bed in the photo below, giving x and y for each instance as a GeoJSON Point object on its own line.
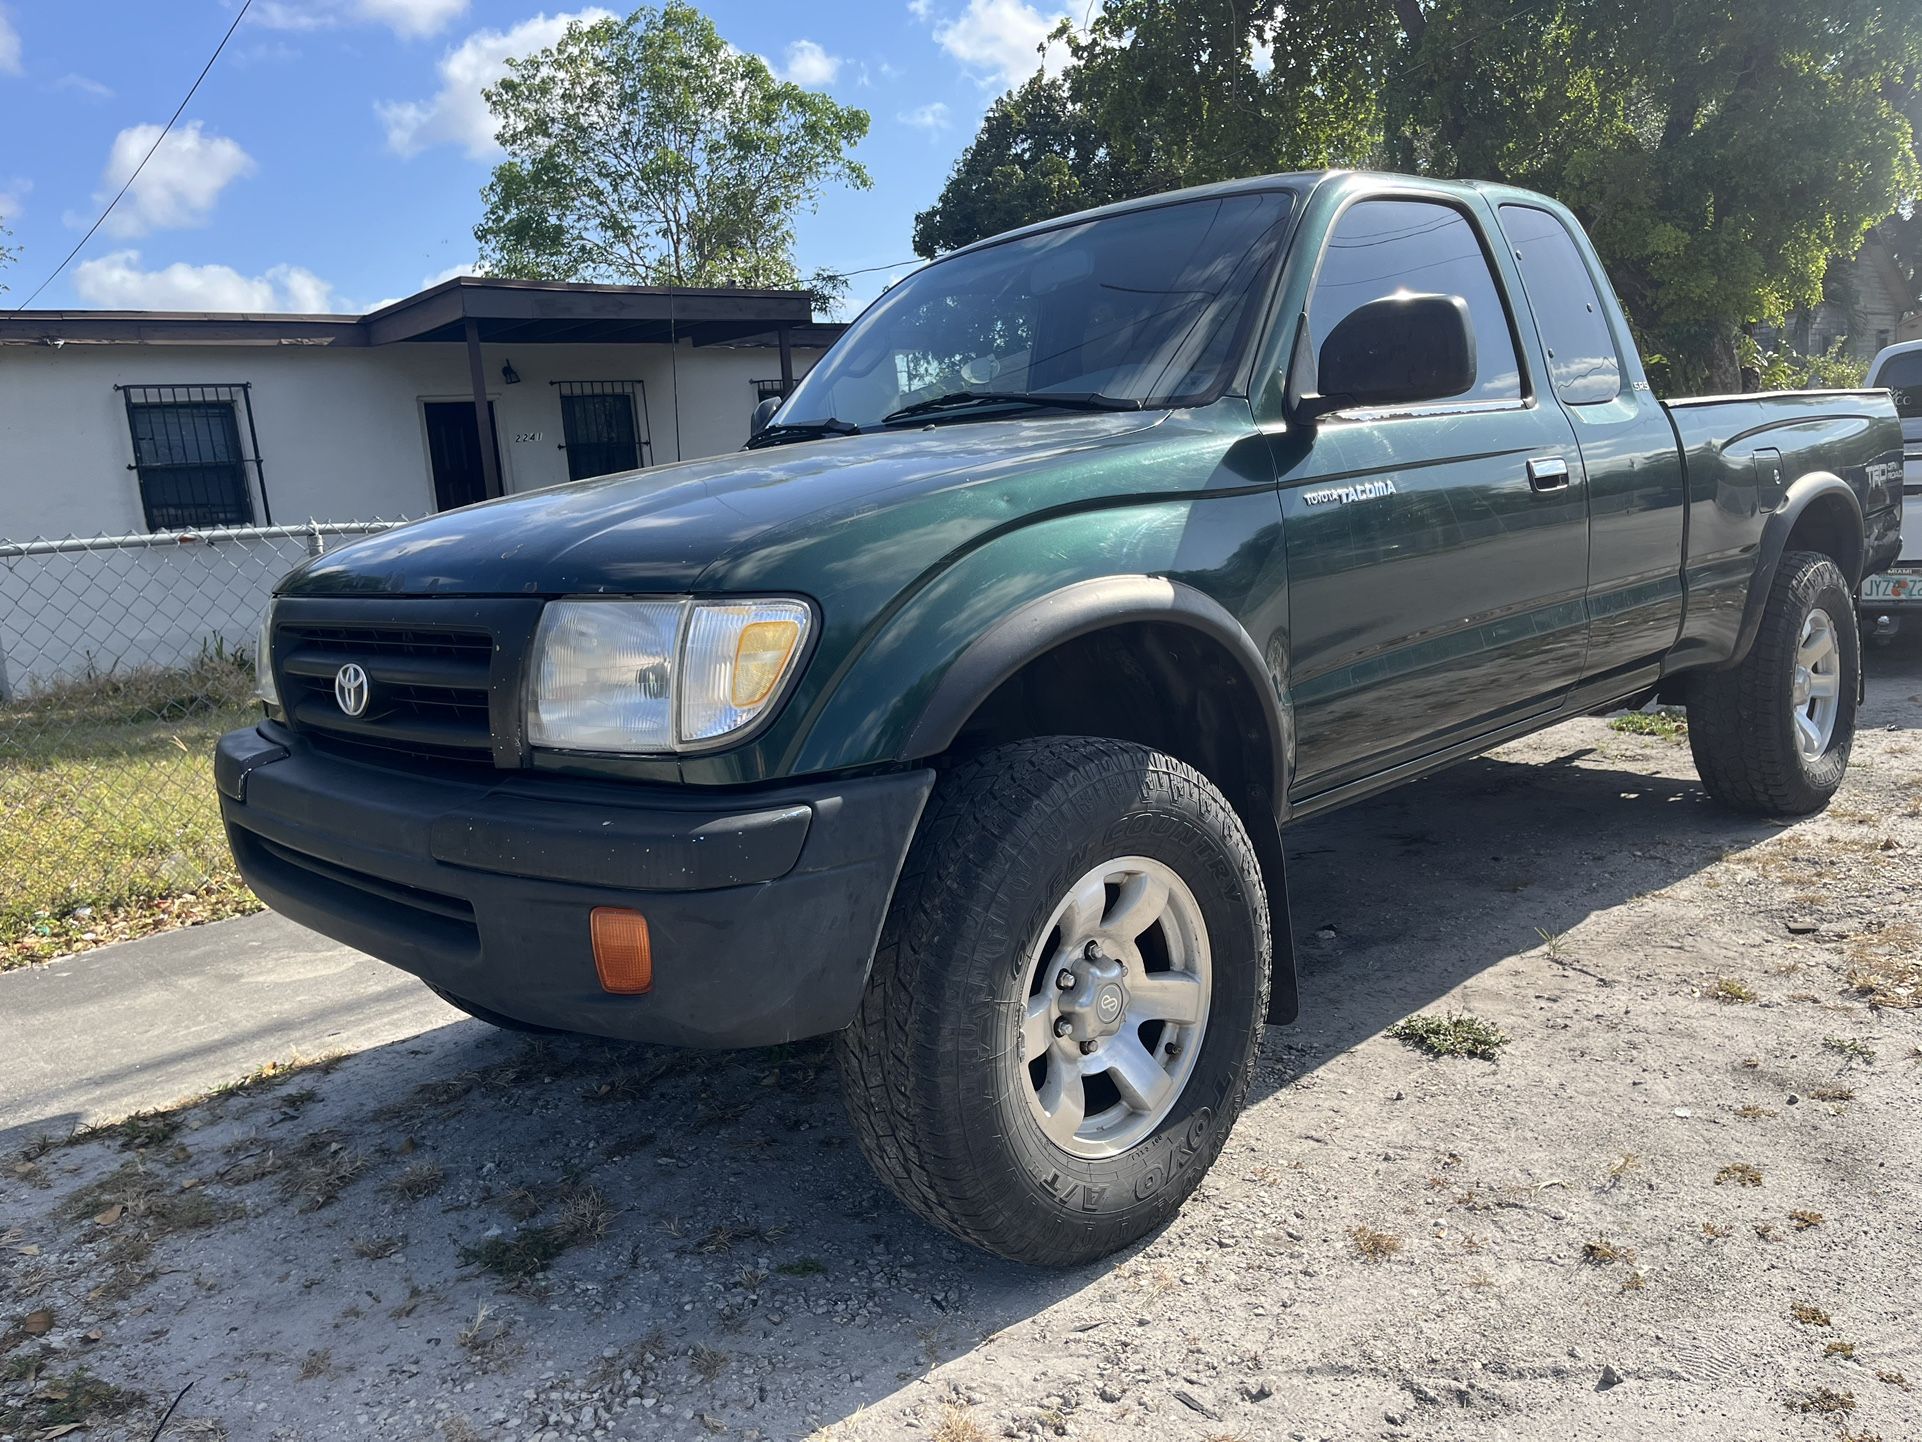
{"type": "Point", "coordinates": [1742, 454]}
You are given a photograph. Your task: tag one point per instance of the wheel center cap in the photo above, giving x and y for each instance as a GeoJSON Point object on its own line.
{"type": "Point", "coordinates": [1095, 1005]}
{"type": "Point", "coordinates": [1802, 683]}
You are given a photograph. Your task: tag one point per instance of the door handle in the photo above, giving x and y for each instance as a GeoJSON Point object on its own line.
{"type": "Point", "coordinates": [1548, 473]}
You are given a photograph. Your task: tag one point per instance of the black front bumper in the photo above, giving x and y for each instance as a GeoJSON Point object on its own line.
{"type": "Point", "coordinates": [763, 907]}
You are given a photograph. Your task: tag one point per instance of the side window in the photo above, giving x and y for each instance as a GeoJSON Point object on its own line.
{"type": "Point", "coordinates": [1902, 373]}
{"type": "Point", "coordinates": [1381, 247]}
{"type": "Point", "coordinates": [1581, 354]}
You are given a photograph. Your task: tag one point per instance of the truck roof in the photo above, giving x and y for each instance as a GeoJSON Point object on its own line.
{"type": "Point", "coordinates": [1298, 180]}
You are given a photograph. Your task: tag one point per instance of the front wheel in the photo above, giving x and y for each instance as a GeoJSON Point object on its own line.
{"type": "Point", "coordinates": [1060, 1027]}
{"type": "Point", "coordinates": [1772, 735]}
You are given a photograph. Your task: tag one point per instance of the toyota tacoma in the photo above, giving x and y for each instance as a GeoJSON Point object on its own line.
{"type": "Point", "coordinates": [959, 716]}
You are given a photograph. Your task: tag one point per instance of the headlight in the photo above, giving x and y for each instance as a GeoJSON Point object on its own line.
{"type": "Point", "coordinates": [264, 687]}
{"type": "Point", "coordinates": [657, 676]}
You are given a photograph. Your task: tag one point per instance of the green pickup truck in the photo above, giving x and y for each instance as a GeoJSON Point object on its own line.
{"type": "Point", "coordinates": [959, 715]}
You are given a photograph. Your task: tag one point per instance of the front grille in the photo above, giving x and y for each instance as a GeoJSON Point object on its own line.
{"type": "Point", "coordinates": [428, 689]}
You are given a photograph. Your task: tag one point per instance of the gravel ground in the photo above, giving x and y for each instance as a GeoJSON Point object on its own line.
{"type": "Point", "coordinates": [1683, 1202]}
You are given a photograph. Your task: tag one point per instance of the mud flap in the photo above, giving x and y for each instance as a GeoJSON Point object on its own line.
{"type": "Point", "coordinates": [1284, 995]}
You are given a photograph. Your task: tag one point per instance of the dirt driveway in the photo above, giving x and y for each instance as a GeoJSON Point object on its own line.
{"type": "Point", "coordinates": [1684, 1202]}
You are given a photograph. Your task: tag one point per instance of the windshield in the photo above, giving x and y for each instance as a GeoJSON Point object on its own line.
{"type": "Point", "coordinates": [1145, 307]}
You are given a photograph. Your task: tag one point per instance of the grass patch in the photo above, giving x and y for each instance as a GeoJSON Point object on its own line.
{"type": "Point", "coordinates": [955, 1425]}
{"type": "Point", "coordinates": [72, 1401]}
{"type": "Point", "coordinates": [1885, 966]}
{"type": "Point", "coordinates": [138, 1198]}
{"type": "Point", "coordinates": [418, 1181]}
{"type": "Point", "coordinates": [1453, 1034]}
{"type": "Point", "coordinates": [1849, 1047]}
{"type": "Point", "coordinates": [1668, 725]}
{"type": "Point", "coordinates": [1833, 1094]}
{"type": "Point", "coordinates": [1822, 1402]}
{"type": "Point", "coordinates": [802, 1267]}
{"type": "Point", "coordinates": [117, 773]}
{"type": "Point", "coordinates": [1731, 990]}
{"type": "Point", "coordinates": [1601, 1252]}
{"type": "Point", "coordinates": [1805, 1219]}
{"type": "Point", "coordinates": [1838, 1348]}
{"type": "Point", "coordinates": [581, 1214]}
{"type": "Point", "coordinates": [1808, 1314]}
{"type": "Point", "coordinates": [1740, 1174]}
{"type": "Point", "coordinates": [1374, 1246]}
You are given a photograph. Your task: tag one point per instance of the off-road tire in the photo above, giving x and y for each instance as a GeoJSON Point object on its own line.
{"type": "Point", "coordinates": [932, 1067]}
{"type": "Point", "coordinates": [1740, 722]}
{"type": "Point", "coordinates": [493, 1018]}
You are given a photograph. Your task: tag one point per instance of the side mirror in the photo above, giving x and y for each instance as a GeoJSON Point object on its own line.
{"type": "Point", "coordinates": [763, 413]}
{"type": "Point", "coordinates": [1396, 351]}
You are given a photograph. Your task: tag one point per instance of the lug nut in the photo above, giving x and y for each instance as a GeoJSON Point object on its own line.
{"type": "Point", "coordinates": [1088, 1046]}
{"type": "Point", "coordinates": [1064, 979]}
{"type": "Point", "coordinates": [1062, 1026]}
{"type": "Point", "coordinates": [1092, 951]}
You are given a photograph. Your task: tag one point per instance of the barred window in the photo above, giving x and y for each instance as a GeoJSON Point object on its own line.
{"type": "Point", "coordinates": [189, 455]}
{"type": "Point", "coordinates": [605, 427]}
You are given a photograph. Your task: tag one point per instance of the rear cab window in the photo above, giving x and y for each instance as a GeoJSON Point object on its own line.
{"type": "Point", "coordinates": [1583, 363]}
{"type": "Point", "coordinates": [1385, 247]}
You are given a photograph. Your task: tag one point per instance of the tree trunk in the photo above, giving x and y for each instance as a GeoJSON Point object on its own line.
{"type": "Point", "coordinates": [1724, 369]}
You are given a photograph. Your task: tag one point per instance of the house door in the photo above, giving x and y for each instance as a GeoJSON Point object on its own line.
{"type": "Point", "coordinates": [460, 478]}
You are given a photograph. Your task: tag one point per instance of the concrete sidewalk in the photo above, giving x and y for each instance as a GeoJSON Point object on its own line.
{"type": "Point", "coordinates": [144, 1023]}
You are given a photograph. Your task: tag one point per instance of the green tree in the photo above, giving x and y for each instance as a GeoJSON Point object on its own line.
{"type": "Point", "coordinates": [649, 150]}
{"type": "Point", "coordinates": [8, 255]}
{"type": "Point", "coordinates": [1721, 155]}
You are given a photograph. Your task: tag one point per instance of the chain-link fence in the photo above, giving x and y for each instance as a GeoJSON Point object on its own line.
{"type": "Point", "coordinates": [122, 658]}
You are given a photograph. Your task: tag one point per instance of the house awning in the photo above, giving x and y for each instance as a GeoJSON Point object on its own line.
{"type": "Point", "coordinates": [527, 312]}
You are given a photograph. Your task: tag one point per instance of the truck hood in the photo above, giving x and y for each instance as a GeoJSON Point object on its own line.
{"type": "Point", "coordinates": [683, 527]}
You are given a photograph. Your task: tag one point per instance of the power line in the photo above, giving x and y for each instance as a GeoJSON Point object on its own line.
{"type": "Point", "coordinates": [185, 100]}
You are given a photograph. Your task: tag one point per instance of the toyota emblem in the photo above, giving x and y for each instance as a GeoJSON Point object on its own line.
{"type": "Point", "coordinates": [350, 688]}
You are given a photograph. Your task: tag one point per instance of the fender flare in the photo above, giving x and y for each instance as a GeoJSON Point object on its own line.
{"type": "Point", "coordinates": [1800, 495]}
{"type": "Point", "coordinates": [1037, 626]}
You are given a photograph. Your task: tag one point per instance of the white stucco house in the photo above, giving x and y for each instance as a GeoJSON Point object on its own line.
{"type": "Point", "coordinates": [114, 423]}
{"type": "Point", "coordinates": [166, 430]}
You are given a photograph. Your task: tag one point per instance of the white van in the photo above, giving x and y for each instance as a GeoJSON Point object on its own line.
{"type": "Point", "coordinates": [1895, 596]}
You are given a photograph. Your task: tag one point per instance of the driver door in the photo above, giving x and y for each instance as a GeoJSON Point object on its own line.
{"type": "Point", "coordinates": [1437, 554]}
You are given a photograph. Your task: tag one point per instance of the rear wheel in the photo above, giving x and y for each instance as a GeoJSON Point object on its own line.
{"type": "Point", "coordinates": [1772, 735]}
{"type": "Point", "coordinates": [1060, 1026]}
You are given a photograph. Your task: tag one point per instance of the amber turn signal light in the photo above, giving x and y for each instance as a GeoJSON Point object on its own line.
{"type": "Point", "coordinates": [622, 955]}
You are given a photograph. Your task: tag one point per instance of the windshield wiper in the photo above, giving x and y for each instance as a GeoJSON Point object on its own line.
{"type": "Point", "coordinates": [801, 431]}
{"type": "Point", "coordinates": [966, 400]}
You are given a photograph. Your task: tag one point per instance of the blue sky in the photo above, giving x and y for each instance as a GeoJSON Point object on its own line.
{"type": "Point", "coordinates": [334, 157]}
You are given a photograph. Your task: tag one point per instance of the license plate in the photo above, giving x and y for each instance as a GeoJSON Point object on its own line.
{"type": "Point", "coordinates": [1894, 586]}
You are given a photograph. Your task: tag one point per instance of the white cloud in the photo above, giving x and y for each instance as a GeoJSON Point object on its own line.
{"type": "Point", "coordinates": [84, 85]}
{"type": "Point", "coordinates": [409, 19]}
{"type": "Point", "coordinates": [472, 267]}
{"type": "Point", "coordinates": [1000, 40]}
{"type": "Point", "coordinates": [12, 193]}
{"type": "Point", "coordinates": [181, 183]}
{"type": "Point", "coordinates": [920, 9]}
{"type": "Point", "coordinates": [9, 46]}
{"type": "Point", "coordinates": [116, 282]}
{"type": "Point", "coordinates": [456, 115]}
{"type": "Point", "coordinates": [929, 117]}
{"type": "Point", "coordinates": [413, 17]}
{"type": "Point", "coordinates": [808, 63]}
